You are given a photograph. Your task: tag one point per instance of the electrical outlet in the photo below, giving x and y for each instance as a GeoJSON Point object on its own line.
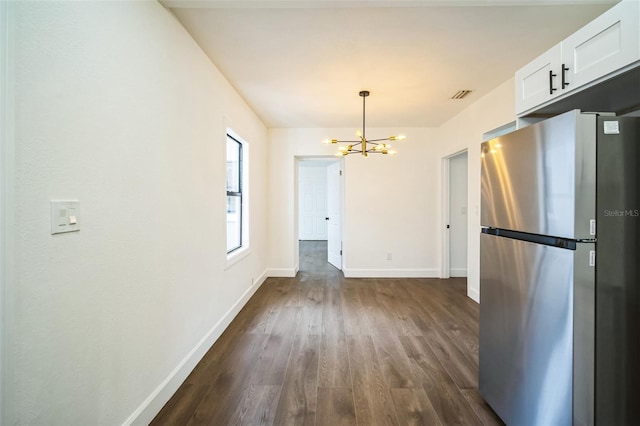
{"type": "Point", "coordinates": [389, 256]}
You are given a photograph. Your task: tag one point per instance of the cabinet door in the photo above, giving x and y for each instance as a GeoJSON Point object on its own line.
{"type": "Point", "coordinates": [533, 84]}
{"type": "Point", "coordinates": [608, 43]}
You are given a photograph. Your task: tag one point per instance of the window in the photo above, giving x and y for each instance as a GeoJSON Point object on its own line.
{"type": "Point", "coordinates": [234, 194]}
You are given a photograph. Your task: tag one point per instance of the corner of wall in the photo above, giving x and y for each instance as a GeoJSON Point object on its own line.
{"type": "Point", "coordinates": [473, 294]}
{"type": "Point", "coordinates": [282, 272]}
{"type": "Point", "coordinates": [494, 110]}
{"type": "Point", "coordinates": [151, 406]}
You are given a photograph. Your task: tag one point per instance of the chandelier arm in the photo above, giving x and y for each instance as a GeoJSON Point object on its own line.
{"type": "Point", "coordinates": [348, 141]}
{"type": "Point", "coordinates": [378, 140]}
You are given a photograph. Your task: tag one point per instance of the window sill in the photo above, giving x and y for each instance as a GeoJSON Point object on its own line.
{"type": "Point", "coordinates": [237, 256]}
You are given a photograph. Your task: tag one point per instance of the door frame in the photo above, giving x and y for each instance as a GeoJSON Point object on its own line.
{"type": "Point", "coordinates": [445, 264]}
{"type": "Point", "coordinates": [297, 159]}
{"type": "Point", "coordinates": [7, 146]}
{"type": "Point", "coordinates": [335, 259]}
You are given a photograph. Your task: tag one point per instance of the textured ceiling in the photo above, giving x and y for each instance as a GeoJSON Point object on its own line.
{"type": "Point", "coordinates": [302, 63]}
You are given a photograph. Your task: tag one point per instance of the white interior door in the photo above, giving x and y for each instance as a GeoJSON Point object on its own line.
{"type": "Point", "coordinates": [334, 213]}
{"type": "Point", "coordinates": [458, 215]}
{"type": "Point", "coordinates": [313, 202]}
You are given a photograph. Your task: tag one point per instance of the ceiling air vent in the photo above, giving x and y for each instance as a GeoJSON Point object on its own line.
{"type": "Point", "coordinates": [461, 94]}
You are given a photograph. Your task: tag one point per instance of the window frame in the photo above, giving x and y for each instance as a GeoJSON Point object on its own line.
{"type": "Point", "coordinates": [239, 193]}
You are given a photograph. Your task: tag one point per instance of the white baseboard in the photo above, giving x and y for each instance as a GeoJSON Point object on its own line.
{"type": "Point", "coordinates": [159, 397]}
{"type": "Point", "coordinates": [282, 272]}
{"type": "Point", "coordinates": [473, 294]}
{"type": "Point", "coordinates": [390, 273]}
{"type": "Point", "coordinates": [458, 272]}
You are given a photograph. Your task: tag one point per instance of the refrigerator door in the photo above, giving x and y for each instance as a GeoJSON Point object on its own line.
{"type": "Point", "coordinates": [526, 331]}
{"type": "Point", "coordinates": [618, 272]}
{"type": "Point", "coordinates": [541, 179]}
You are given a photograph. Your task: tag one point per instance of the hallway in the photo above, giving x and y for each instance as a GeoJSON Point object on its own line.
{"type": "Point", "coordinates": [321, 349]}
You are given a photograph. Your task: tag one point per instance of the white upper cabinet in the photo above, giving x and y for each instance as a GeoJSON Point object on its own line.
{"type": "Point", "coordinates": [608, 44]}
{"type": "Point", "coordinates": [536, 82]}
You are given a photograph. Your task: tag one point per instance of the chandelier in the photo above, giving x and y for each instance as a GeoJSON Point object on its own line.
{"type": "Point", "coordinates": [365, 146]}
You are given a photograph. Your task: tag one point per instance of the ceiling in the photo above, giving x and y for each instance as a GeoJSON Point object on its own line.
{"type": "Point", "coordinates": [302, 63]}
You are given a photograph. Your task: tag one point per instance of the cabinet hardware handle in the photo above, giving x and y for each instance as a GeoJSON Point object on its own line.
{"type": "Point", "coordinates": [326, 218]}
{"type": "Point", "coordinates": [564, 76]}
{"type": "Point", "coordinates": [551, 88]}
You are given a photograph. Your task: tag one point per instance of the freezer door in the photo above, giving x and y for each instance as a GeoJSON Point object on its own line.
{"type": "Point", "coordinates": [526, 331]}
{"type": "Point", "coordinates": [618, 272]}
{"type": "Point", "coordinates": [541, 179]}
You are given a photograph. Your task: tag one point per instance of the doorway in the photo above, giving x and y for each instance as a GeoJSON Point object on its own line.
{"type": "Point", "coordinates": [319, 209]}
{"type": "Point", "coordinates": [455, 215]}
{"type": "Point", "coordinates": [312, 201]}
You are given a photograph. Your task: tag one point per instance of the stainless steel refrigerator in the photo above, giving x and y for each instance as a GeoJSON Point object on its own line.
{"type": "Point", "coordinates": [560, 274]}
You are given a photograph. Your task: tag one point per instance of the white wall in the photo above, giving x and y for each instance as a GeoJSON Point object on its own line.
{"type": "Point", "coordinates": [465, 131]}
{"type": "Point", "coordinates": [389, 202]}
{"type": "Point", "coordinates": [117, 107]}
{"type": "Point", "coordinates": [458, 217]}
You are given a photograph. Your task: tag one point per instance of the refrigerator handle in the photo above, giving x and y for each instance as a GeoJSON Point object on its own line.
{"type": "Point", "coordinates": [488, 230]}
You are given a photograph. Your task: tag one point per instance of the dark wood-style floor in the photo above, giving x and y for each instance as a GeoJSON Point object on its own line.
{"type": "Point", "coordinates": [320, 349]}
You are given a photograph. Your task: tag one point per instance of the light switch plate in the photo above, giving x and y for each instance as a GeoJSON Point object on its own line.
{"type": "Point", "coordinates": [65, 216]}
